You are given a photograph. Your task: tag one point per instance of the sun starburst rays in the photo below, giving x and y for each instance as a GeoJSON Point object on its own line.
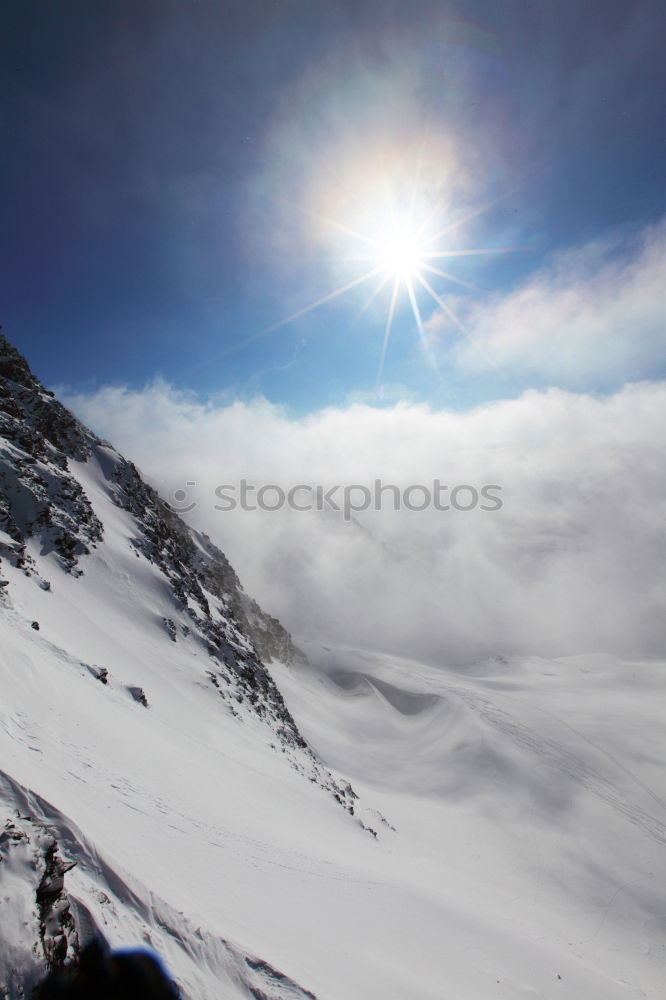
{"type": "Point", "coordinates": [404, 252]}
{"type": "Point", "coordinates": [387, 330]}
{"type": "Point", "coordinates": [399, 247]}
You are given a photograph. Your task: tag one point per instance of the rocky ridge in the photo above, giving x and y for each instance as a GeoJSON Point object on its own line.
{"type": "Point", "coordinates": [42, 446]}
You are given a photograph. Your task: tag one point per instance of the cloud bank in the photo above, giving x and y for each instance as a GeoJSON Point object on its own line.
{"type": "Point", "coordinates": [572, 562]}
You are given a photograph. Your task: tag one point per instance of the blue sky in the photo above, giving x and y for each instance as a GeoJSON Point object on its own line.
{"type": "Point", "coordinates": [169, 165]}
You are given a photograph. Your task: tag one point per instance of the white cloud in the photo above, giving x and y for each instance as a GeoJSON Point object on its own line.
{"type": "Point", "coordinates": [595, 313]}
{"type": "Point", "coordinates": [573, 561]}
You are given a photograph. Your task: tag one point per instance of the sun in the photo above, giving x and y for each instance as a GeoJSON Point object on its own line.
{"type": "Point", "coordinates": [402, 254]}
{"type": "Point", "coordinates": [395, 246]}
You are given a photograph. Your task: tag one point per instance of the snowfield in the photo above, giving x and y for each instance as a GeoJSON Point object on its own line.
{"type": "Point", "coordinates": [526, 800]}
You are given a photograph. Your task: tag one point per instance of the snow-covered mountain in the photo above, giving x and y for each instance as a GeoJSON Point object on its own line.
{"type": "Point", "coordinates": [175, 773]}
{"type": "Point", "coordinates": [108, 575]}
{"type": "Point", "coordinates": [64, 492]}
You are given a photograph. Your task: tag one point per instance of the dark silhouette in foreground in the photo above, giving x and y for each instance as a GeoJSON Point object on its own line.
{"type": "Point", "coordinates": [104, 975]}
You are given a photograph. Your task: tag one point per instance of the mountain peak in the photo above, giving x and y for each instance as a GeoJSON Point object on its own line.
{"type": "Point", "coordinates": [70, 503]}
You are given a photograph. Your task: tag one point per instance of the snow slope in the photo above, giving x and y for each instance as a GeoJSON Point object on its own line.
{"type": "Point", "coordinates": [528, 844]}
{"type": "Point", "coordinates": [507, 840]}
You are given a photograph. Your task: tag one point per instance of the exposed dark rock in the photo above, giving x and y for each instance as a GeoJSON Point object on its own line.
{"type": "Point", "coordinates": [138, 695]}
{"type": "Point", "coordinates": [23, 397]}
{"type": "Point", "coordinates": [99, 673]}
{"type": "Point", "coordinates": [57, 928]}
{"type": "Point", "coordinates": [170, 626]}
{"type": "Point", "coordinates": [48, 939]}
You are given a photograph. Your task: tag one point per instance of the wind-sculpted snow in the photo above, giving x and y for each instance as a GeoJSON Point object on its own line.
{"type": "Point", "coordinates": [487, 730]}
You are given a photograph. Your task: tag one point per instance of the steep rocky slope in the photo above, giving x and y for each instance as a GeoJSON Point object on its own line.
{"type": "Point", "coordinates": [80, 531]}
{"type": "Point", "coordinates": [43, 500]}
